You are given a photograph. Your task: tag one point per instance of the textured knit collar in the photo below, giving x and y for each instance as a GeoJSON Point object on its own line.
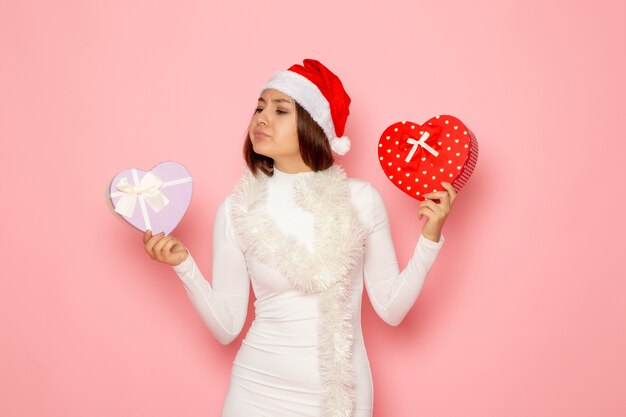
{"type": "Point", "coordinates": [338, 235]}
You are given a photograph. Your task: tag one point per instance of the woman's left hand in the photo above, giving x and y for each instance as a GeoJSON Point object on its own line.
{"type": "Point", "coordinates": [436, 213]}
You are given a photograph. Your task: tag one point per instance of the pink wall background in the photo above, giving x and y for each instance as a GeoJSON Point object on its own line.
{"type": "Point", "coordinates": [523, 314]}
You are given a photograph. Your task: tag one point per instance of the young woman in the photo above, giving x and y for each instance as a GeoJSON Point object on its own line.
{"type": "Point", "coordinates": [309, 240]}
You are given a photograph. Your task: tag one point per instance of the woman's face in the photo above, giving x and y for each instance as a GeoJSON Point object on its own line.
{"type": "Point", "coordinates": [273, 130]}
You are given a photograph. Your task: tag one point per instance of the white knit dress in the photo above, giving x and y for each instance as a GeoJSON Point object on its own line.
{"type": "Point", "coordinates": [297, 359]}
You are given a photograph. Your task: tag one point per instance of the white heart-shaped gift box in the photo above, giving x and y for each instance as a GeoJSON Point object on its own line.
{"type": "Point", "coordinates": [156, 200]}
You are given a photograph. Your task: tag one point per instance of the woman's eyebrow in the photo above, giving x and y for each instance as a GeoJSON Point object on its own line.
{"type": "Point", "coordinates": [276, 100]}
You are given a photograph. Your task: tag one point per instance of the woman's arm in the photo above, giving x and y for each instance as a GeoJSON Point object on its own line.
{"type": "Point", "coordinates": [392, 292]}
{"type": "Point", "coordinates": [222, 305]}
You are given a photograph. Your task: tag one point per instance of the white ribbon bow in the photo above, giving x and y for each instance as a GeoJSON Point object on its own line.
{"type": "Point", "coordinates": [148, 189]}
{"type": "Point", "coordinates": [416, 144]}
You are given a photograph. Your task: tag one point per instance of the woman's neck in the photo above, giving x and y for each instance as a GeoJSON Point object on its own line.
{"type": "Point", "coordinates": [292, 167]}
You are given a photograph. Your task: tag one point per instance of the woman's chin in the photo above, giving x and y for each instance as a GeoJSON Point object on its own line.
{"type": "Point", "coordinates": [259, 149]}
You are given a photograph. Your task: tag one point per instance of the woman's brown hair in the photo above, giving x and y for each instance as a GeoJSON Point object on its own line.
{"type": "Point", "coordinates": [314, 147]}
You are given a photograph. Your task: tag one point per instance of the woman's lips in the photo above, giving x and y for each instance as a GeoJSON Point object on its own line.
{"type": "Point", "coordinates": [260, 134]}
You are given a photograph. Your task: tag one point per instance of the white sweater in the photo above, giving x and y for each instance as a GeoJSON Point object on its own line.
{"type": "Point", "coordinates": [276, 369]}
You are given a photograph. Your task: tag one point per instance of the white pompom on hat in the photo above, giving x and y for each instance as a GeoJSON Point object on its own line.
{"type": "Point", "coordinates": [321, 93]}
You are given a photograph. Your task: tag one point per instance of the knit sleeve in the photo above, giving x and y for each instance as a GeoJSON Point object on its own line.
{"type": "Point", "coordinates": [223, 304]}
{"type": "Point", "coordinates": [392, 292]}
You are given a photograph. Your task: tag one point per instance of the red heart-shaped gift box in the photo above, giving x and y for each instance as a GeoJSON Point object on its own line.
{"type": "Point", "coordinates": [417, 158]}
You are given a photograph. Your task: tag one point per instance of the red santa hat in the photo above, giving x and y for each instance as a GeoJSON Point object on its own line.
{"type": "Point", "coordinates": [320, 93]}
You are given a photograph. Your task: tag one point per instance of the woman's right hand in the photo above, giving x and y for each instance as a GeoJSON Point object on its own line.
{"type": "Point", "coordinates": [164, 249]}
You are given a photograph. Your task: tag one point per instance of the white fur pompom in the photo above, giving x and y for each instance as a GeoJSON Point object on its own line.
{"type": "Point", "coordinates": [341, 145]}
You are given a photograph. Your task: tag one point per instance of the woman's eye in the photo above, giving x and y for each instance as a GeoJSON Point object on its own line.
{"type": "Point", "coordinates": [258, 110]}
{"type": "Point", "coordinates": [281, 111]}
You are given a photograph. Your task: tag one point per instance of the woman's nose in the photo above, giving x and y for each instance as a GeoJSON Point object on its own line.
{"type": "Point", "coordinates": [261, 118]}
